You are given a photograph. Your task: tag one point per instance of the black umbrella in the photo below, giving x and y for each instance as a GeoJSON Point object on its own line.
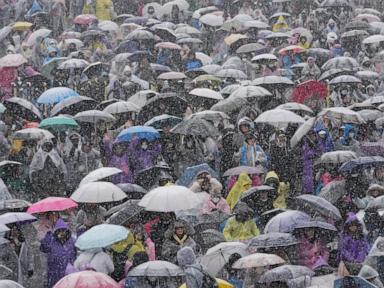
{"type": "Point", "coordinates": [106, 103]}
{"type": "Point", "coordinates": [357, 25]}
{"type": "Point", "coordinates": [209, 238]}
{"type": "Point", "coordinates": [124, 213]}
{"type": "Point", "coordinates": [254, 192]}
{"type": "Point", "coordinates": [73, 105]}
{"type": "Point", "coordinates": [147, 178]}
{"type": "Point", "coordinates": [23, 109]}
{"type": "Point", "coordinates": [272, 240]}
{"type": "Point", "coordinates": [319, 205]}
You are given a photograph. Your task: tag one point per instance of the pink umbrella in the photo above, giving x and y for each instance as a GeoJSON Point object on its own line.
{"type": "Point", "coordinates": [84, 19]}
{"type": "Point", "coordinates": [12, 60]}
{"type": "Point", "coordinates": [86, 279]}
{"type": "Point", "coordinates": [52, 204]}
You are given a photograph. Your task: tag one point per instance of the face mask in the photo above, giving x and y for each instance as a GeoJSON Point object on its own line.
{"type": "Point", "coordinates": [215, 199]}
{"type": "Point", "coordinates": [144, 146]}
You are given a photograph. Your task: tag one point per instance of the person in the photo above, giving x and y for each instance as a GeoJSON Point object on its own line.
{"type": "Point", "coordinates": [95, 259]}
{"type": "Point", "coordinates": [240, 227]}
{"type": "Point", "coordinates": [309, 153]}
{"type": "Point", "coordinates": [188, 154]}
{"type": "Point", "coordinates": [60, 249]}
{"type": "Point", "coordinates": [138, 258]}
{"type": "Point", "coordinates": [280, 156]}
{"type": "Point", "coordinates": [144, 154]}
{"type": "Point", "coordinates": [242, 184]}
{"type": "Point", "coordinates": [215, 202]}
{"type": "Point", "coordinates": [373, 192]}
{"type": "Point", "coordinates": [88, 216]}
{"type": "Point", "coordinates": [251, 154]}
{"type": "Point", "coordinates": [191, 62]}
{"type": "Point", "coordinates": [311, 71]}
{"type": "Point", "coordinates": [206, 183]}
{"type": "Point", "coordinates": [177, 236]}
{"type": "Point", "coordinates": [281, 25]}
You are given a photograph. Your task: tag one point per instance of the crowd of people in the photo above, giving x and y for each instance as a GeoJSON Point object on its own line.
{"type": "Point", "coordinates": [211, 143]}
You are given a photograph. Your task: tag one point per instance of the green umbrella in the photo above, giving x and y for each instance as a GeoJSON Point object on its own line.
{"type": "Point", "coordinates": [59, 123]}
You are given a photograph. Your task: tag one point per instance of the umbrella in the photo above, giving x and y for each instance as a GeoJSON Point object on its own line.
{"type": "Point", "coordinates": [4, 32]}
{"type": "Point", "coordinates": [12, 60]}
{"type": "Point", "coordinates": [181, 4]}
{"type": "Point", "coordinates": [233, 38]}
{"type": "Point", "coordinates": [216, 257]}
{"type": "Point", "coordinates": [101, 236]}
{"type": "Point", "coordinates": [285, 272]}
{"type": "Point", "coordinates": [362, 163]}
{"type": "Point", "coordinates": [58, 123]}
{"type": "Point", "coordinates": [326, 227]}
{"type": "Point", "coordinates": [337, 157]}
{"type": "Point", "coordinates": [32, 134]}
{"type": "Point", "coordinates": [51, 65]}
{"type": "Point", "coordinates": [291, 48]}
{"type": "Point", "coordinates": [272, 80]}
{"type": "Point", "coordinates": [169, 199]}
{"type": "Point", "coordinates": [251, 47]}
{"type": "Point", "coordinates": [279, 118]}
{"type": "Point", "coordinates": [140, 132]}
{"type": "Point", "coordinates": [258, 170]}
{"type": "Point", "coordinates": [3, 228]}
{"type": "Point", "coordinates": [332, 73]}
{"type": "Point", "coordinates": [206, 93]}
{"type": "Point", "coordinates": [206, 77]}
{"type": "Point", "coordinates": [256, 24]}
{"type": "Point", "coordinates": [285, 221]}
{"type": "Point", "coordinates": [98, 192]}
{"type": "Point", "coordinates": [352, 281]}
{"type": "Point", "coordinates": [52, 204]}
{"type": "Point", "coordinates": [188, 30]}
{"type": "Point", "coordinates": [23, 108]}
{"type": "Point", "coordinates": [172, 76]}
{"type": "Point", "coordinates": [230, 105]}
{"type": "Point", "coordinates": [319, 205]}
{"type": "Point", "coordinates": [210, 237]}
{"type": "Point", "coordinates": [275, 35]}
{"type": "Point", "coordinates": [85, 19]}
{"type": "Point", "coordinates": [168, 45]}
{"type": "Point", "coordinates": [294, 106]}
{"type": "Point", "coordinates": [86, 279]}
{"type": "Point", "coordinates": [196, 127]}
{"type": "Point", "coordinates": [250, 92]}
{"type": "Point", "coordinates": [211, 69]}
{"type": "Point", "coordinates": [372, 148]}
{"type": "Point", "coordinates": [133, 191]}
{"type": "Point", "coordinates": [189, 175]}
{"type": "Point", "coordinates": [156, 268]}
{"type": "Point", "coordinates": [124, 213]}
{"type": "Point", "coordinates": [357, 25]}
{"type": "Point", "coordinates": [204, 58]}
{"type": "Point", "coordinates": [213, 116]}
{"type": "Point", "coordinates": [189, 40]}
{"type": "Point", "coordinates": [13, 205]}
{"type": "Point", "coordinates": [9, 283]}
{"type": "Point", "coordinates": [370, 114]}
{"type": "Point", "coordinates": [157, 9]}
{"type": "Point", "coordinates": [16, 217]}
{"type": "Point", "coordinates": [121, 107]}
{"type": "Point", "coordinates": [258, 260]}
{"type": "Point", "coordinates": [99, 174]}
{"type": "Point", "coordinates": [73, 63]}
{"type": "Point", "coordinates": [73, 105]}
{"type": "Point", "coordinates": [345, 79]}
{"type": "Point", "coordinates": [21, 26]}
{"type": "Point", "coordinates": [368, 17]}
{"type": "Point", "coordinates": [302, 131]}
{"type": "Point", "coordinates": [367, 75]}
{"type": "Point", "coordinates": [354, 33]}
{"type": "Point", "coordinates": [377, 249]}
{"type": "Point", "coordinates": [56, 95]}
{"type": "Point", "coordinates": [164, 120]}
{"type": "Point", "coordinates": [211, 20]}
{"type": "Point", "coordinates": [254, 191]}
{"type": "Point", "coordinates": [333, 191]}
{"type": "Point", "coordinates": [94, 116]}
{"type": "Point", "coordinates": [381, 108]}
{"type": "Point", "coordinates": [346, 63]}
{"type": "Point", "coordinates": [375, 100]}
{"type": "Point", "coordinates": [2, 108]}
{"type": "Point", "coordinates": [343, 115]}
{"type": "Point", "coordinates": [373, 39]}
{"type": "Point", "coordinates": [231, 73]}
{"type": "Point", "coordinates": [140, 34]}
{"type": "Point", "coordinates": [8, 164]}
{"type": "Point", "coordinates": [37, 36]}
{"type": "Point", "coordinates": [271, 240]}
{"type": "Point", "coordinates": [108, 26]}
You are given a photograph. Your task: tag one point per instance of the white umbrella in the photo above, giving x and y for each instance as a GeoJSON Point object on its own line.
{"type": "Point", "coordinates": [206, 93]}
{"type": "Point", "coordinates": [211, 68]}
{"type": "Point", "coordinates": [279, 118]}
{"type": "Point", "coordinates": [181, 4]}
{"type": "Point", "coordinates": [343, 115]}
{"type": "Point", "coordinates": [216, 257]}
{"type": "Point", "coordinates": [204, 58]}
{"type": "Point", "coordinates": [375, 100]}
{"type": "Point", "coordinates": [337, 157]}
{"type": "Point", "coordinates": [157, 10]}
{"type": "Point", "coordinates": [98, 192]}
{"type": "Point", "coordinates": [94, 116]}
{"type": "Point", "coordinates": [294, 106]}
{"type": "Point", "coordinates": [156, 268]}
{"type": "Point", "coordinates": [121, 107]}
{"type": "Point", "coordinates": [211, 20]}
{"type": "Point", "coordinates": [265, 56]}
{"type": "Point", "coordinates": [302, 131]}
{"type": "Point", "coordinates": [231, 73]}
{"type": "Point", "coordinates": [32, 134]}
{"type": "Point", "coordinates": [73, 63]}
{"type": "Point", "coordinates": [169, 199]}
{"type": "Point", "coordinates": [99, 174]}
{"type": "Point", "coordinates": [370, 114]}
{"type": "Point", "coordinates": [258, 260]}
{"type": "Point", "coordinates": [108, 26]}
{"type": "Point", "coordinates": [37, 35]}
{"type": "Point", "coordinates": [373, 39]}
{"type": "Point", "coordinates": [250, 91]}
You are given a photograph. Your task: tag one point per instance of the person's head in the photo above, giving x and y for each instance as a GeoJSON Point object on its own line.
{"type": "Point", "coordinates": [242, 212]}
{"type": "Point", "coordinates": [52, 216]}
{"type": "Point", "coordinates": [379, 173]}
{"type": "Point", "coordinates": [75, 139]}
{"type": "Point", "coordinates": [86, 146]}
{"type": "Point", "coordinates": [371, 90]}
{"type": "Point", "coordinates": [309, 233]}
{"type": "Point", "coordinates": [331, 23]}
{"type": "Point", "coordinates": [244, 125]}
{"type": "Point", "coordinates": [375, 190]}
{"type": "Point", "coordinates": [281, 137]}
{"type": "Point", "coordinates": [61, 232]}
{"type": "Point", "coordinates": [47, 146]}
{"type": "Point", "coordinates": [144, 144]}
{"type": "Point", "coordinates": [151, 10]}
{"type": "Point", "coordinates": [180, 230]}
{"type": "Point", "coordinates": [118, 149]}
{"type": "Point", "coordinates": [303, 39]}
{"type": "Point", "coordinates": [189, 142]}
{"type": "Point", "coordinates": [250, 139]}
{"type": "Point", "coordinates": [311, 61]}
{"type": "Point", "coordinates": [138, 233]}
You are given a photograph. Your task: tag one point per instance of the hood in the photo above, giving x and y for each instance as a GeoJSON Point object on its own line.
{"type": "Point", "coordinates": [368, 273]}
{"type": "Point", "coordinates": [348, 128]}
{"type": "Point", "coordinates": [60, 224]}
{"type": "Point", "coordinates": [271, 175]}
{"type": "Point", "coordinates": [243, 180]}
{"type": "Point", "coordinates": [244, 121]}
{"type": "Point", "coordinates": [352, 218]}
{"type": "Point", "coordinates": [186, 256]}
{"type": "Point", "coordinates": [281, 20]}
{"type": "Point", "coordinates": [373, 187]}
{"type": "Point", "coordinates": [51, 49]}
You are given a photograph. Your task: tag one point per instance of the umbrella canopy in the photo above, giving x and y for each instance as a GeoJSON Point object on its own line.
{"type": "Point", "coordinates": [319, 205]}
{"type": "Point", "coordinates": [272, 80]}
{"type": "Point", "coordinates": [32, 134]}
{"type": "Point", "coordinates": [141, 132]}
{"type": "Point", "coordinates": [250, 92]}
{"type": "Point", "coordinates": [370, 114]}
{"type": "Point", "coordinates": [13, 205]}
{"type": "Point", "coordinates": [101, 236]}
{"type": "Point", "coordinates": [16, 217]}
{"type": "Point", "coordinates": [140, 34]}
{"type": "Point", "coordinates": [216, 257]}
{"type": "Point", "coordinates": [133, 191]}
{"type": "Point", "coordinates": [302, 131]}
{"type": "Point", "coordinates": [94, 116]}
{"type": "Point", "coordinates": [326, 227]}
{"type": "Point", "coordinates": [354, 33]}
{"type": "Point", "coordinates": [375, 100]}
{"type": "Point", "coordinates": [189, 175]}
{"type": "Point", "coordinates": [108, 26]}
{"type": "Point", "coordinates": [347, 63]}
{"type": "Point", "coordinates": [362, 163]}
{"type": "Point", "coordinates": [156, 268]}
{"type": "Point", "coordinates": [294, 106]}
{"type": "Point", "coordinates": [272, 240]}
{"type": "Point", "coordinates": [84, 19]}
{"type": "Point", "coordinates": [56, 95]}
{"type": "Point", "coordinates": [99, 174]}
{"type": "Point", "coordinates": [58, 123]}
{"type": "Point", "coordinates": [337, 157]}
{"type": "Point", "coordinates": [52, 204]}
{"type": "Point", "coordinates": [4, 32]}
{"type": "Point", "coordinates": [9, 283]}
{"type": "Point", "coordinates": [206, 93]}
{"type": "Point", "coordinates": [164, 120]}
{"type": "Point", "coordinates": [372, 148]}
{"type": "Point", "coordinates": [258, 170]}
{"type": "Point", "coordinates": [367, 75]}
{"type": "Point", "coordinates": [168, 45]}
{"type": "Point", "coordinates": [352, 281]}
{"type": "Point", "coordinates": [291, 48]}
{"type": "Point", "coordinates": [345, 79]}
{"type": "Point", "coordinates": [12, 60]}
{"type": "Point", "coordinates": [251, 47]}
{"type": "Point", "coordinates": [73, 105]}
{"type": "Point", "coordinates": [342, 114]}
{"type": "Point", "coordinates": [373, 39]}
{"type": "Point", "coordinates": [285, 272]}
{"type": "Point", "coordinates": [169, 199]}
{"type": "Point", "coordinates": [368, 17]}
{"type": "Point", "coordinates": [38, 35]}
{"type": "Point", "coordinates": [286, 221]}
{"type": "Point", "coordinates": [258, 260]}
{"type": "Point", "coordinates": [172, 76]}
{"type": "Point", "coordinates": [121, 107]}
{"type": "Point", "coordinates": [231, 73]}
{"type": "Point", "coordinates": [23, 108]}
{"type": "Point", "coordinates": [211, 20]}
{"type": "Point", "coordinates": [86, 279]}
{"type": "Point", "coordinates": [124, 213]}
{"type": "Point", "coordinates": [208, 115]}
{"type": "Point", "coordinates": [196, 127]}
{"type": "Point", "coordinates": [73, 64]}
{"type": "Point", "coordinates": [98, 192]}
{"type": "Point", "coordinates": [279, 118]}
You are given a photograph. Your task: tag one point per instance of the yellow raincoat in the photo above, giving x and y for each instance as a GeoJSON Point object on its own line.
{"type": "Point", "coordinates": [242, 184]}
{"type": "Point", "coordinates": [131, 244]}
{"type": "Point", "coordinates": [282, 191]}
{"type": "Point", "coordinates": [238, 231]}
{"type": "Point", "coordinates": [280, 25]}
{"type": "Point", "coordinates": [104, 9]}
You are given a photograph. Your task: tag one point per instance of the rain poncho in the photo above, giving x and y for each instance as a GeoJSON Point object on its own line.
{"type": "Point", "coordinates": [251, 155]}
{"type": "Point", "coordinates": [95, 259]}
{"type": "Point", "coordinates": [240, 231]}
{"type": "Point", "coordinates": [282, 190]}
{"type": "Point", "coordinates": [243, 184]}
{"type": "Point", "coordinates": [104, 10]}
{"type": "Point", "coordinates": [194, 276]}
{"type": "Point", "coordinates": [281, 25]}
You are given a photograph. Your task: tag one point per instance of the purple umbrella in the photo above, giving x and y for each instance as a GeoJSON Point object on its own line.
{"type": "Point", "coordinates": [16, 217]}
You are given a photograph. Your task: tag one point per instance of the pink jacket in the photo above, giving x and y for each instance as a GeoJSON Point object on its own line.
{"type": "Point", "coordinates": [209, 206]}
{"type": "Point", "coordinates": [309, 253]}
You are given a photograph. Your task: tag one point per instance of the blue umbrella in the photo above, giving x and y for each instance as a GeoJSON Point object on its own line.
{"type": "Point", "coordinates": [159, 122]}
{"type": "Point", "coordinates": [352, 281]}
{"type": "Point", "coordinates": [189, 175]}
{"type": "Point", "coordinates": [101, 236]}
{"type": "Point", "coordinates": [362, 163]}
{"type": "Point", "coordinates": [56, 95]}
{"type": "Point", "coordinates": [142, 132]}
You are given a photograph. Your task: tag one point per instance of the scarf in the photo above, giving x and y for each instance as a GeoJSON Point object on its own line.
{"type": "Point", "coordinates": [251, 155]}
{"type": "Point", "coordinates": [180, 241]}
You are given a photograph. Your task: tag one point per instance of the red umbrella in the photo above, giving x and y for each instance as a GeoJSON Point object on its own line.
{"type": "Point", "coordinates": [309, 91]}
{"type": "Point", "coordinates": [86, 279]}
{"type": "Point", "coordinates": [52, 204]}
{"type": "Point", "coordinates": [84, 19]}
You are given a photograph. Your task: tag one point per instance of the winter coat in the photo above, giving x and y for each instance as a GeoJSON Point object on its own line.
{"type": "Point", "coordinates": [242, 184]}
{"type": "Point", "coordinates": [59, 255]}
{"type": "Point", "coordinates": [210, 207]}
{"type": "Point", "coordinates": [352, 249]}
{"type": "Point", "coordinates": [240, 231]}
{"type": "Point", "coordinates": [194, 276]}
{"type": "Point", "coordinates": [214, 188]}
{"type": "Point", "coordinates": [281, 158]}
{"type": "Point", "coordinates": [309, 252]}
{"type": "Point", "coordinates": [97, 260]}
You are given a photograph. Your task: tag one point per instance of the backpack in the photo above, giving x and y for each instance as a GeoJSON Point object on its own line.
{"type": "Point", "coordinates": [208, 280]}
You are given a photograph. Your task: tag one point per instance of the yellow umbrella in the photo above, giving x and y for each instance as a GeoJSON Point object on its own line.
{"type": "Point", "coordinates": [21, 26]}
{"type": "Point", "coordinates": [222, 284]}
